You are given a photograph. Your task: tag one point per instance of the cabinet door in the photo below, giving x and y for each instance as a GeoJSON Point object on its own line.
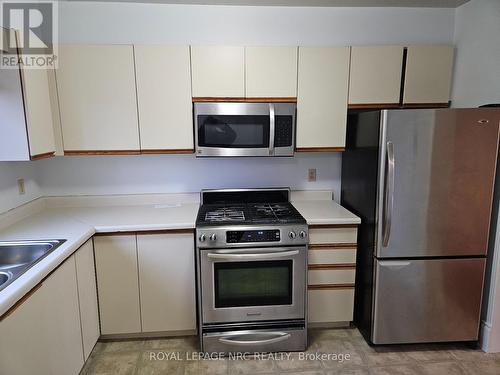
{"type": "Point", "coordinates": [38, 110]}
{"type": "Point", "coordinates": [322, 98]}
{"type": "Point", "coordinates": [87, 296]}
{"type": "Point", "coordinates": [117, 284]}
{"type": "Point", "coordinates": [164, 97]}
{"type": "Point", "coordinates": [375, 76]}
{"type": "Point", "coordinates": [96, 86]}
{"type": "Point", "coordinates": [331, 306]}
{"type": "Point", "coordinates": [167, 282]}
{"type": "Point", "coordinates": [428, 74]}
{"type": "Point", "coordinates": [218, 71]}
{"type": "Point", "coordinates": [271, 72]}
{"type": "Point", "coordinates": [44, 335]}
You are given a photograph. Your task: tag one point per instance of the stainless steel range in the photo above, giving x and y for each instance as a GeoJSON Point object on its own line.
{"type": "Point", "coordinates": [251, 271]}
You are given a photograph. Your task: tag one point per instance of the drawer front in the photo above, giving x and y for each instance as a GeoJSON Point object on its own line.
{"type": "Point", "coordinates": [332, 256]}
{"type": "Point", "coordinates": [332, 276]}
{"type": "Point", "coordinates": [333, 235]}
{"type": "Point", "coordinates": [328, 306]}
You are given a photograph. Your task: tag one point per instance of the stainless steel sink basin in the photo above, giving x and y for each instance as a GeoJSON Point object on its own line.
{"type": "Point", "coordinates": [16, 257]}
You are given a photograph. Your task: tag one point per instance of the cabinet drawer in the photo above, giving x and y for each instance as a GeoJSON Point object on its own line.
{"type": "Point", "coordinates": [332, 256]}
{"type": "Point", "coordinates": [332, 235]}
{"type": "Point", "coordinates": [332, 276]}
{"type": "Point", "coordinates": [326, 306]}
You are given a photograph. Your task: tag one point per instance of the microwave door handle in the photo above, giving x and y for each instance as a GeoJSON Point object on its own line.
{"type": "Point", "coordinates": [275, 337]}
{"type": "Point", "coordinates": [272, 255]}
{"type": "Point", "coordinates": [272, 127]}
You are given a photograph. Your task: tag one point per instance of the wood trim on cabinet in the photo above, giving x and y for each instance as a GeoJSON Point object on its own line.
{"type": "Point", "coordinates": [168, 151]}
{"type": "Point", "coordinates": [320, 149]}
{"type": "Point", "coordinates": [426, 105]}
{"type": "Point", "coordinates": [330, 286]}
{"type": "Point", "coordinates": [374, 106]}
{"type": "Point", "coordinates": [333, 246]}
{"type": "Point", "coordinates": [162, 231]}
{"type": "Point", "coordinates": [101, 152]}
{"type": "Point", "coordinates": [320, 226]}
{"type": "Point", "coordinates": [43, 156]}
{"type": "Point", "coordinates": [242, 99]}
{"type": "Point", "coordinates": [342, 266]}
{"type": "Point", "coordinates": [23, 299]}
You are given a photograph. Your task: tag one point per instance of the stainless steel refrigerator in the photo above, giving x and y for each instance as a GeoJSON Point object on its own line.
{"type": "Point", "coordinates": [422, 182]}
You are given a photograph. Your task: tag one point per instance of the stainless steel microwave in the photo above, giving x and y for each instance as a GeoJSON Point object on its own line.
{"type": "Point", "coordinates": [244, 129]}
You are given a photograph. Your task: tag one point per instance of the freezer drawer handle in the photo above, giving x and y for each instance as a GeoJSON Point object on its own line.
{"type": "Point", "coordinates": [275, 337]}
{"type": "Point", "coordinates": [389, 194]}
{"type": "Point", "coordinates": [278, 254]}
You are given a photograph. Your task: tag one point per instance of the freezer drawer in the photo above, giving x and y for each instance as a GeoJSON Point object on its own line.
{"type": "Point", "coordinates": [434, 300]}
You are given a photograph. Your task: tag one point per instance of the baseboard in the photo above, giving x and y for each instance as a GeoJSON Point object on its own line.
{"type": "Point", "coordinates": [330, 325]}
{"type": "Point", "coordinates": [147, 335]}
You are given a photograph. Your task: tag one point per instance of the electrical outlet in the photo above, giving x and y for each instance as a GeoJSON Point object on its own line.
{"type": "Point", "coordinates": [311, 177]}
{"type": "Point", "coordinates": [20, 186]}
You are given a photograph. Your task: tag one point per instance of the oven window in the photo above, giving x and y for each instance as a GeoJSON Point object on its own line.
{"type": "Point", "coordinates": [264, 283]}
{"type": "Point", "coordinates": [233, 131]}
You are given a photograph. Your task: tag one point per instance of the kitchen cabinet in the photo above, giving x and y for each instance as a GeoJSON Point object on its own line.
{"type": "Point", "coordinates": [323, 79]}
{"type": "Point", "coordinates": [44, 335]}
{"type": "Point", "coordinates": [87, 296]}
{"type": "Point", "coordinates": [428, 74]}
{"type": "Point", "coordinates": [271, 72]}
{"type": "Point", "coordinates": [375, 76]}
{"type": "Point", "coordinates": [27, 121]}
{"type": "Point", "coordinates": [117, 284]}
{"type": "Point", "coordinates": [332, 272]}
{"type": "Point", "coordinates": [97, 99]}
{"type": "Point", "coordinates": [218, 71]}
{"type": "Point", "coordinates": [164, 98]}
{"type": "Point", "coordinates": [167, 282]}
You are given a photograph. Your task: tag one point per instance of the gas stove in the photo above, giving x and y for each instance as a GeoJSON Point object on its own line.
{"type": "Point", "coordinates": [251, 252]}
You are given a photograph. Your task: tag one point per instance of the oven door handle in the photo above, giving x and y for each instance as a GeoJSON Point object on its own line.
{"type": "Point", "coordinates": [273, 255]}
{"type": "Point", "coordinates": [275, 337]}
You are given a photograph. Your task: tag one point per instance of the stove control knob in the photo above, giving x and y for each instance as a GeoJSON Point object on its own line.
{"type": "Point", "coordinates": [213, 237]}
{"type": "Point", "coordinates": [292, 235]}
{"type": "Point", "coordinates": [302, 234]}
{"type": "Point", "coordinates": [202, 238]}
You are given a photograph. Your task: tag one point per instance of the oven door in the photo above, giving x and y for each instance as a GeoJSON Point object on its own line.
{"type": "Point", "coordinates": [233, 129]}
{"type": "Point", "coordinates": [242, 285]}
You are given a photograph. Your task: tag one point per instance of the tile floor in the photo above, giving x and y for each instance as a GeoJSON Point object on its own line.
{"type": "Point", "coordinates": [137, 358]}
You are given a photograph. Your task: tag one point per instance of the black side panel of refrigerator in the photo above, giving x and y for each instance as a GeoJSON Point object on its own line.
{"type": "Point", "coordinates": [359, 195]}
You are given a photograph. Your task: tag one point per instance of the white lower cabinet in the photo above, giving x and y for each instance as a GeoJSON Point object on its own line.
{"type": "Point", "coordinates": [87, 295]}
{"type": "Point", "coordinates": [167, 282]}
{"type": "Point", "coordinates": [146, 282]}
{"type": "Point", "coordinates": [43, 335]}
{"type": "Point", "coordinates": [330, 306]}
{"type": "Point", "coordinates": [117, 284]}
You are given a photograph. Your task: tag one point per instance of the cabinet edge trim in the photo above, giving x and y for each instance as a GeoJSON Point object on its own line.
{"type": "Point", "coordinates": [331, 286]}
{"type": "Point", "coordinates": [43, 155]}
{"type": "Point", "coordinates": [320, 149]}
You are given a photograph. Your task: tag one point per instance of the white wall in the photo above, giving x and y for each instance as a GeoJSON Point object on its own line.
{"type": "Point", "coordinates": [91, 22]}
{"type": "Point", "coordinates": [9, 173]}
{"type": "Point", "coordinates": [184, 173]}
{"type": "Point", "coordinates": [477, 65]}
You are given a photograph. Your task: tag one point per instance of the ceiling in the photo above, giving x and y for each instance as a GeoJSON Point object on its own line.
{"type": "Point", "coordinates": [315, 3]}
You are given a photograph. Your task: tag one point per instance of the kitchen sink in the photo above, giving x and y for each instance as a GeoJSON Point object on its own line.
{"type": "Point", "coordinates": [16, 257]}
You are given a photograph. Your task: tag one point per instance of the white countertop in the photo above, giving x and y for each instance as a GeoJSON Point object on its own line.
{"type": "Point", "coordinates": [78, 223]}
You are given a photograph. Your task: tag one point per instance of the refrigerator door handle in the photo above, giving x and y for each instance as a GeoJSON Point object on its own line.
{"type": "Point", "coordinates": [389, 194]}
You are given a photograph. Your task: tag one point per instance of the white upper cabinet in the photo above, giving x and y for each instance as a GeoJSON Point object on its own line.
{"type": "Point", "coordinates": [97, 98]}
{"type": "Point", "coordinates": [270, 72]}
{"type": "Point", "coordinates": [164, 98]}
{"type": "Point", "coordinates": [428, 74]}
{"type": "Point", "coordinates": [218, 71]}
{"type": "Point", "coordinates": [375, 76]}
{"type": "Point", "coordinates": [25, 104]}
{"type": "Point", "coordinates": [167, 282]}
{"type": "Point", "coordinates": [322, 98]}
